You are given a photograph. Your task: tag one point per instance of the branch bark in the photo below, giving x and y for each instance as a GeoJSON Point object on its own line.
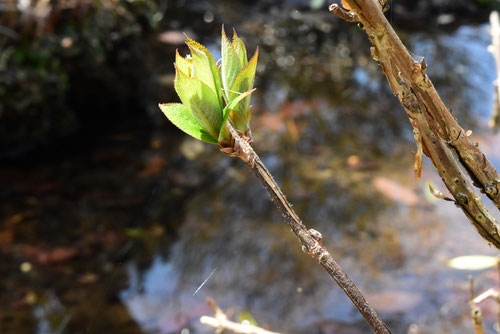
{"type": "Point", "coordinates": [435, 127]}
{"type": "Point", "coordinates": [311, 240]}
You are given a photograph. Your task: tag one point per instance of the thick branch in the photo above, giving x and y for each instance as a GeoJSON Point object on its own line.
{"type": "Point", "coordinates": [310, 239]}
{"type": "Point", "coordinates": [435, 128]}
{"type": "Point", "coordinates": [398, 64]}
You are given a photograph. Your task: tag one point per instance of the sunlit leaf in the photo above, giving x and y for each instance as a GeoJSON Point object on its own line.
{"type": "Point", "coordinates": [201, 101]}
{"type": "Point", "coordinates": [244, 82]}
{"type": "Point", "coordinates": [246, 317]}
{"type": "Point", "coordinates": [180, 116]}
{"type": "Point", "coordinates": [231, 106]}
{"type": "Point", "coordinates": [213, 66]}
{"type": "Point", "coordinates": [230, 64]}
{"type": "Point", "coordinates": [201, 68]}
{"type": "Point", "coordinates": [234, 102]}
{"type": "Point", "coordinates": [240, 49]}
{"type": "Point", "coordinates": [183, 64]}
{"type": "Point", "coordinates": [472, 262]}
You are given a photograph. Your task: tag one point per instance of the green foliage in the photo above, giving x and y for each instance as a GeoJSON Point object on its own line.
{"type": "Point", "coordinates": [178, 114]}
{"type": "Point", "coordinates": [211, 94]}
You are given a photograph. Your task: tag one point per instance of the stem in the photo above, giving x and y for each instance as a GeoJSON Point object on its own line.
{"type": "Point", "coordinates": [310, 239]}
{"type": "Point", "coordinates": [475, 311]}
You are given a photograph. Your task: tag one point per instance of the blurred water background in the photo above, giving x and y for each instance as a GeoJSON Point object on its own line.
{"type": "Point", "coordinates": [111, 218]}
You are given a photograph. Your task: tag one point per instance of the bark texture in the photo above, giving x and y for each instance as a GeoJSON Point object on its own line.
{"type": "Point", "coordinates": [435, 127]}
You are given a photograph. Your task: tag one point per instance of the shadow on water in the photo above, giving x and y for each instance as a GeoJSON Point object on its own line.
{"type": "Point", "coordinates": [119, 233]}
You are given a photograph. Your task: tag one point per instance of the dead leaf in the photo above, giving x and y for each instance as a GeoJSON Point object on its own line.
{"type": "Point", "coordinates": [50, 256]}
{"type": "Point", "coordinates": [439, 194]}
{"type": "Point", "coordinates": [173, 37]}
{"type": "Point", "coordinates": [153, 166]}
{"type": "Point", "coordinates": [346, 5]}
{"type": "Point", "coordinates": [88, 278]}
{"type": "Point", "coordinates": [395, 191]}
{"type": "Point", "coordinates": [394, 301]}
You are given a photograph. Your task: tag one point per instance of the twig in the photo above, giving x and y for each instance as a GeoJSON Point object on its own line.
{"type": "Point", "coordinates": [435, 128]}
{"type": "Point", "coordinates": [221, 322]}
{"type": "Point", "coordinates": [475, 311]}
{"type": "Point", "coordinates": [233, 326]}
{"type": "Point", "coordinates": [490, 293]}
{"type": "Point", "coordinates": [494, 121]}
{"type": "Point", "coordinates": [310, 239]}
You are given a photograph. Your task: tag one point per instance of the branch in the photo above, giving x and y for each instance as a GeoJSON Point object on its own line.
{"type": "Point", "coordinates": [435, 128]}
{"type": "Point", "coordinates": [475, 311]}
{"type": "Point", "coordinates": [311, 240]}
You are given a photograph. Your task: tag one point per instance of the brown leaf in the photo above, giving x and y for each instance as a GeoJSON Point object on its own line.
{"type": "Point", "coordinates": [395, 191]}
{"type": "Point", "coordinates": [346, 5]}
{"type": "Point", "coordinates": [439, 194]}
{"type": "Point", "coordinates": [393, 301]}
{"type": "Point", "coordinates": [52, 255]}
{"type": "Point", "coordinates": [153, 166]}
{"type": "Point", "coordinates": [173, 37]}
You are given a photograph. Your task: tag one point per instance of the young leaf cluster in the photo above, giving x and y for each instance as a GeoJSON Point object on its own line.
{"type": "Point", "coordinates": [212, 93]}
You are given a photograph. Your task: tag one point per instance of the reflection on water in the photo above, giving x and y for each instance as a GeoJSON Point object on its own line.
{"type": "Point", "coordinates": [121, 235]}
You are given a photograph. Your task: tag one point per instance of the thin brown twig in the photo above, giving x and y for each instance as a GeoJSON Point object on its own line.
{"type": "Point", "coordinates": [435, 128]}
{"type": "Point", "coordinates": [311, 240]}
{"type": "Point", "coordinates": [475, 311]}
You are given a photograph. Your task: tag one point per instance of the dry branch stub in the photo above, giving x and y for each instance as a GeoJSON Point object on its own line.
{"type": "Point", "coordinates": [435, 128]}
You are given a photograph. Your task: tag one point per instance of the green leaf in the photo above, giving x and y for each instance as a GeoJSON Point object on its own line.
{"type": "Point", "coordinates": [212, 64]}
{"type": "Point", "coordinates": [239, 48]}
{"type": "Point", "coordinates": [180, 116]}
{"type": "Point", "coordinates": [230, 65]}
{"type": "Point", "coordinates": [183, 64]}
{"type": "Point", "coordinates": [244, 82]}
{"type": "Point", "coordinates": [234, 102]}
{"type": "Point", "coordinates": [232, 105]}
{"type": "Point", "coordinates": [201, 68]}
{"type": "Point", "coordinates": [247, 318]}
{"type": "Point", "coordinates": [201, 102]}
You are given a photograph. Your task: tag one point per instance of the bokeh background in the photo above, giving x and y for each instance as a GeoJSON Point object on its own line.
{"type": "Point", "coordinates": [111, 218]}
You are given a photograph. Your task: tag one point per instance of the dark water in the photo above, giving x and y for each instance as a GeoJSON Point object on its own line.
{"type": "Point", "coordinates": [119, 233]}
